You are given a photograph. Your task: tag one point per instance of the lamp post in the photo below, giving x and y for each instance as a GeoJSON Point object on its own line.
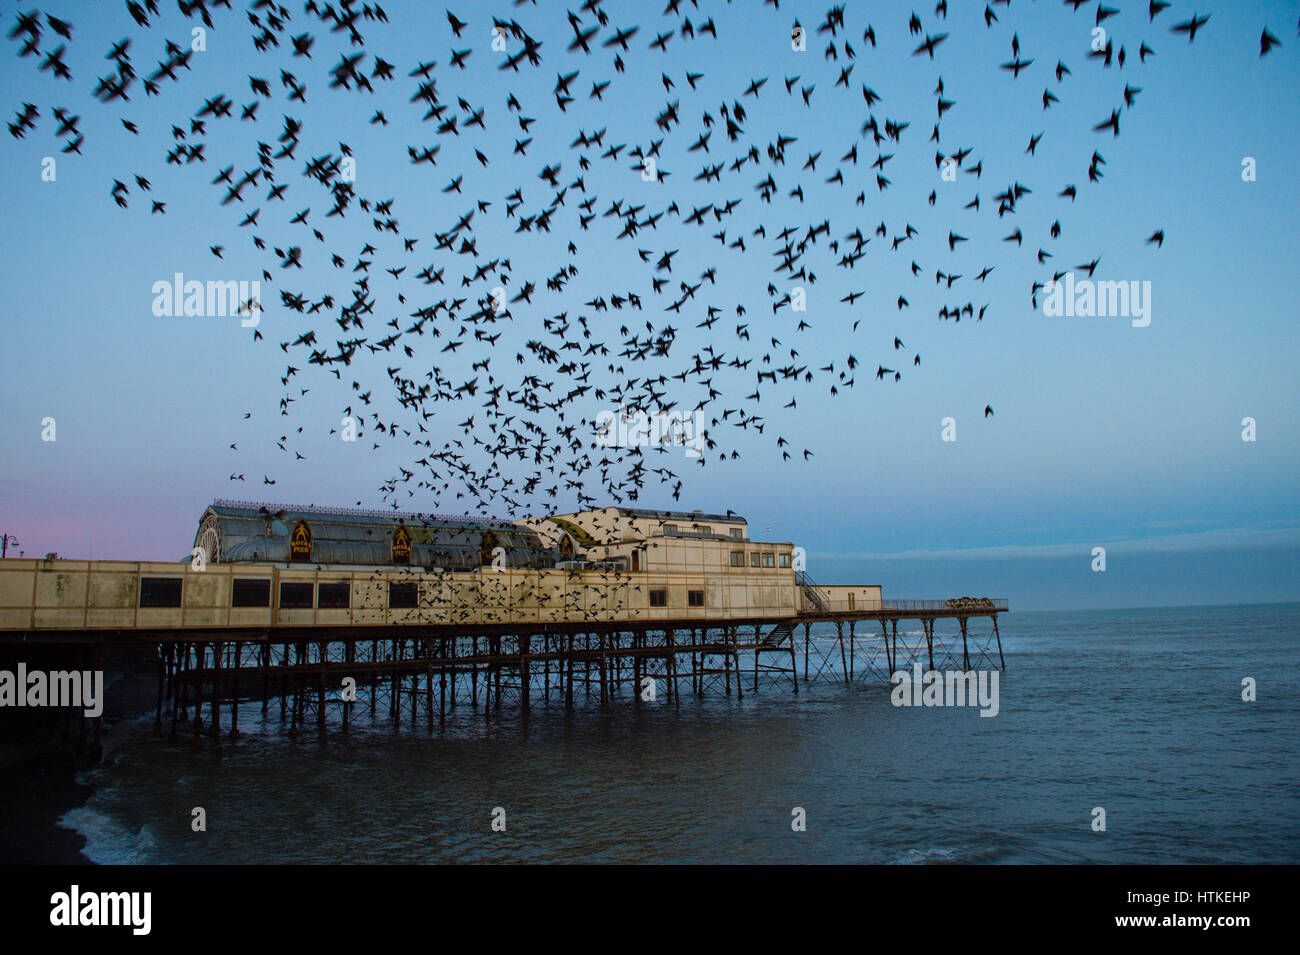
{"type": "Point", "coordinates": [5, 541]}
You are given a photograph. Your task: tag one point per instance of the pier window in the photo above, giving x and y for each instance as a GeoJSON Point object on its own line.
{"type": "Point", "coordinates": [659, 598]}
{"type": "Point", "coordinates": [160, 591]}
{"type": "Point", "coordinates": [768, 560]}
{"type": "Point", "coordinates": [753, 559]}
{"type": "Point", "coordinates": [250, 592]}
{"type": "Point", "coordinates": [295, 595]}
{"type": "Point", "coordinates": [404, 595]}
{"type": "Point", "coordinates": [783, 560]}
{"type": "Point", "coordinates": [737, 558]}
{"type": "Point", "coordinates": [335, 595]}
{"type": "Point", "coordinates": [695, 598]}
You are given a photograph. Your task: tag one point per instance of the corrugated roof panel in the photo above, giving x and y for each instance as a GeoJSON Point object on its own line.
{"type": "Point", "coordinates": [234, 531]}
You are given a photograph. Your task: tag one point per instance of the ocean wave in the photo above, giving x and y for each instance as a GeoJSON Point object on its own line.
{"type": "Point", "coordinates": [109, 841]}
{"type": "Point", "coordinates": [937, 854]}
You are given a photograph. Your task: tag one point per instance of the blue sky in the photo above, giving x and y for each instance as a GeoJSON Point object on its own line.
{"type": "Point", "coordinates": [1103, 434]}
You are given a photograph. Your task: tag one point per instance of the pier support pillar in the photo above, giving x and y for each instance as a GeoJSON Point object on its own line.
{"type": "Point", "coordinates": [442, 681]}
{"type": "Point", "coordinates": [794, 665]}
{"type": "Point", "coordinates": [893, 656]}
{"type": "Point", "coordinates": [265, 657]}
{"type": "Point", "coordinates": [735, 656]}
{"type": "Point", "coordinates": [234, 692]}
{"type": "Point", "coordinates": [350, 657]}
{"type": "Point", "coordinates": [604, 669]}
{"type": "Point", "coordinates": [218, 649]}
{"type": "Point", "coordinates": [807, 641]}
{"type": "Point", "coordinates": [670, 644]}
{"type": "Point", "coordinates": [523, 672]}
{"type": "Point", "coordinates": [568, 680]}
{"type": "Point", "coordinates": [320, 694]}
{"type": "Point", "coordinates": [164, 663]}
{"type": "Point", "coordinates": [175, 682]}
{"type": "Point", "coordinates": [844, 665]}
{"type": "Point", "coordinates": [199, 653]}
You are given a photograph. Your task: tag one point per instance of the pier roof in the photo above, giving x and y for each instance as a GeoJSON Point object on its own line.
{"type": "Point", "coordinates": [242, 531]}
{"type": "Point", "coordinates": [685, 516]}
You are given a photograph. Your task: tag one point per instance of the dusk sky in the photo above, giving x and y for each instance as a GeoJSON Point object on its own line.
{"type": "Point", "coordinates": [1103, 434]}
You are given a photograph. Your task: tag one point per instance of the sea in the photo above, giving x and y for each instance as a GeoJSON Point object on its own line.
{"type": "Point", "coordinates": [1137, 713]}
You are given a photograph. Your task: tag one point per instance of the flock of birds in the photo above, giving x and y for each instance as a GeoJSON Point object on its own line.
{"type": "Point", "coordinates": [493, 378]}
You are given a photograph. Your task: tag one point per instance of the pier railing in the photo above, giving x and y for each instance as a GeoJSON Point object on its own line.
{"type": "Point", "coordinates": [953, 603]}
{"type": "Point", "coordinates": [967, 605]}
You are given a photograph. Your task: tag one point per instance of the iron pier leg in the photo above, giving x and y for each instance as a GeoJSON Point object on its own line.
{"type": "Point", "coordinates": [726, 658]}
{"type": "Point", "coordinates": [234, 694]}
{"type": "Point", "coordinates": [794, 664]}
{"type": "Point", "coordinates": [893, 658]}
{"type": "Point", "coordinates": [546, 668]}
{"type": "Point", "coordinates": [604, 668]}
{"type": "Point", "coordinates": [670, 639]}
{"type": "Point", "coordinates": [284, 680]}
{"type": "Point", "coordinates": [523, 671]}
{"type": "Point", "coordinates": [320, 694]}
{"type": "Point", "coordinates": [175, 683]}
{"type": "Point", "coordinates": [218, 650]}
{"type": "Point", "coordinates": [449, 652]}
{"type": "Point", "coordinates": [265, 657]}
{"type": "Point", "coordinates": [374, 676]}
{"type": "Point", "coordinates": [199, 653]}
{"type": "Point", "coordinates": [695, 669]}
{"type": "Point", "coordinates": [164, 654]}
{"type": "Point", "coordinates": [395, 703]}
{"type": "Point", "coordinates": [497, 667]}
{"type": "Point", "coordinates": [735, 655]}
{"type": "Point", "coordinates": [839, 632]}
{"type": "Point", "coordinates": [350, 656]}
{"type": "Point", "coordinates": [852, 652]}
{"type": "Point", "coordinates": [568, 665]}
{"type": "Point", "coordinates": [473, 675]}
{"type": "Point", "coordinates": [807, 640]}
{"type": "Point", "coordinates": [638, 640]}
{"type": "Point", "coordinates": [442, 682]}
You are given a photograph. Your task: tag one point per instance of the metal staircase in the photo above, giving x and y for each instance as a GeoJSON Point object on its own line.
{"type": "Point", "coordinates": [814, 597]}
{"type": "Point", "coordinates": [778, 635]}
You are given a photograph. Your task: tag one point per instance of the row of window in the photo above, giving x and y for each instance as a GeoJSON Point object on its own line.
{"type": "Point", "coordinates": [256, 592]}
{"type": "Point", "coordinates": [659, 598]}
{"type": "Point", "coordinates": [329, 595]}
{"type": "Point", "coordinates": [760, 559]}
{"type": "Point", "coordinates": [737, 532]}
{"type": "Point", "coordinates": [296, 595]}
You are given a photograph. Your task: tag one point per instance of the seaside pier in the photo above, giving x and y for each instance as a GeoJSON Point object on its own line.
{"type": "Point", "coordinates": [334, 616]}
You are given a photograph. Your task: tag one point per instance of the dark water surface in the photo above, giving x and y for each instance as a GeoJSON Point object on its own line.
{"type": "Point", "coordinates": [1136, 711]}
